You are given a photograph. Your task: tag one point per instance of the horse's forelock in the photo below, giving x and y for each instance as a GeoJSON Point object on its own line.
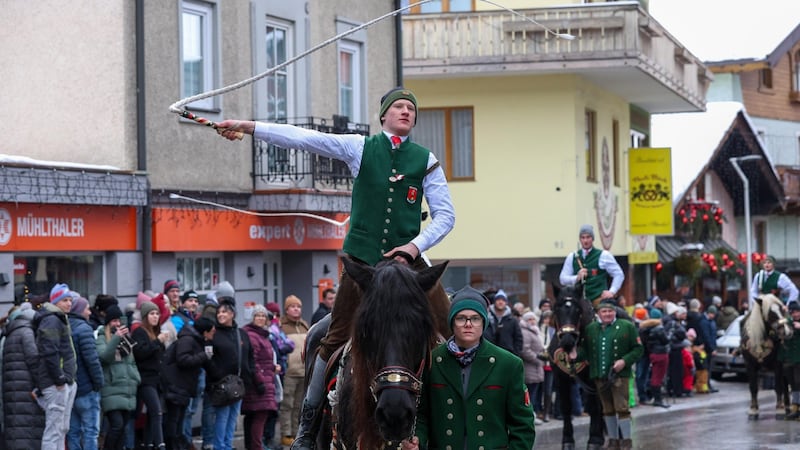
{"type": "Point", "coordinates": [392, 326]}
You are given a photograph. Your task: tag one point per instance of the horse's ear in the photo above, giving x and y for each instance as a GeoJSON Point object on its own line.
{"type": "Point", "coordinates": [428, 277]}
{"type": "Point", "coordinates": [556, 289]}
{"type": "Point", "coordinates": [360, 273]}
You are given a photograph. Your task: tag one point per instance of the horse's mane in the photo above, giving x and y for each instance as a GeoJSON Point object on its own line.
{"type": "Point", "coordinates": [754, 328]}
{"type": "Point", "coordinates": [393, 324]}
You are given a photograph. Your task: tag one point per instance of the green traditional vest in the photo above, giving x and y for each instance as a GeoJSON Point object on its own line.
{"type": "Point", "coordinates": [597, 280]}
{"type": "Point", "coordinates": [387, 198]}
{"type": "Point", "coordinates": [770, 284]}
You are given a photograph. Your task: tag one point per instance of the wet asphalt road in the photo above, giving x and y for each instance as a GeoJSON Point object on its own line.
{"type": "Point", "coordinates": [710, 421]}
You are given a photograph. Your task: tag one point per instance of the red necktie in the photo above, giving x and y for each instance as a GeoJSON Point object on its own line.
{"type": "Point", "coordinates": [396, 141]}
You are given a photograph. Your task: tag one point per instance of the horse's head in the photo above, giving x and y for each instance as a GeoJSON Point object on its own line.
{"type": "Point", "coordinates": [772, 312]}
{"type": "Point", "coordinates": [392, 336]}
{"type": "Point", "coordinates": [571, 314]}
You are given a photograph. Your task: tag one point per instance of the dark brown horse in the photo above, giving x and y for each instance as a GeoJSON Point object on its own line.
{"type": "Point", "coordinates": [762, 331]}
{"type": "Point", "coordinates": [378, 387]}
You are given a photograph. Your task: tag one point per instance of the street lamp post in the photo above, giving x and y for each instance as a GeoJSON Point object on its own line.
{"type": "Point", "coordinates": [746, 184]}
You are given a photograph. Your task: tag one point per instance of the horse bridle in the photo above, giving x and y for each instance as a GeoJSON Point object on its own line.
{"type": "Point", "coordinates": [568, 328]}
{"type": "Point", "coordinates": [398, 377]}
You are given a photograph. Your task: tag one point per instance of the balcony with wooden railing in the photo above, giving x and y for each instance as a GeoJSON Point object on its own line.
{"type": "Point", "coordinates": [617, 46]}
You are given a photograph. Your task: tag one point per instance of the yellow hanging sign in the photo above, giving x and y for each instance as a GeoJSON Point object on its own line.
{"type": "Point", "coordinates": [650, 198]}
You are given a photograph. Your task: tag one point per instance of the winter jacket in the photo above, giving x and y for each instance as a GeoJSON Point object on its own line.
{"type": "Point", "coordinates": [54, 340]}
{"type": "Point", "coordinates": [229, 359]}
{"type": "Point", "coordinates": [264, 372]}
{"type": "Point", "coordinates": [707, 334]}
{"type": "Point", "coordinates": [24, 419]}
{"type": "Point", "coordinates": [296, 331]}
{"type": "Point", "coordinates": [180, 368]}
{"type": "Point", "coordinates": [531, 348]}
{"type": "Point", "coordinates": [322, 311]}
{"type": "Point", "coordinates": [504, 331]}
{"type": "Point", "coordinates": [121, 377]}
{"type": "Point", "coordinates": [89, 375]}
{"type": "Point", "coordinates": [148, 353]}
{"type": "Point", "coordinates": [654, 337]}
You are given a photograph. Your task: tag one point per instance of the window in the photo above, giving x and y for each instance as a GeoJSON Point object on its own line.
{"type": "Point", "coordinates": [615, 150]}
{"type": "Point", "coordinates": [766, 78]}
{"type": "Point", "coordinates": [591, 146]}
{"type": "Point", "coordinates": [439, 6]}
{"type": "Point", "coordinates": [638, 139]}
{"type": "Point", "coordinates": [760, 236]}
{"type": "Point", "coordinates": [198, 274]}
{"type": "Point", "coordinates": [350, 80]}
{"type": "Point", "coordinates": [34, 275]}
{"type": "Point", "coordinates": [277, 47]}
{"type": "Point", "coordinates": [796, 86]}
{"type": "Point", "coordinates": [197, 54]}
{"type": "Point", "coordinates": [272, 277]}
{"type": "Point", "coordinates": [448, 133]}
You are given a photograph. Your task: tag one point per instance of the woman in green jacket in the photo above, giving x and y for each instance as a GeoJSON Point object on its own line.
{"type": "Point", "coordinates": [118, 395]}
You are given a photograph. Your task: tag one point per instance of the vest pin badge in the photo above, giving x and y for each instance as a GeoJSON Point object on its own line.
{"type": "Point", "coordinates": [396, 178]}
{"type": "Point", "coordinates": [411, 196]}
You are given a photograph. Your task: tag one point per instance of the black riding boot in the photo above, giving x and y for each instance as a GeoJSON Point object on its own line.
{"type": "Point", "coordinates": [305, 438]}
{"type": "Point", "coordinates": [658, 399]}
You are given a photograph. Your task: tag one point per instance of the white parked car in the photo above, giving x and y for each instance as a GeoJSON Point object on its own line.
{"type": "Point", "coordinates": [728, 359]}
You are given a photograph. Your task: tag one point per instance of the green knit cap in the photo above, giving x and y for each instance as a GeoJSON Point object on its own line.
{"type": "Point", "coordinates": [395, 95]}
{"type": "Point", "coordinates": [468, 298]}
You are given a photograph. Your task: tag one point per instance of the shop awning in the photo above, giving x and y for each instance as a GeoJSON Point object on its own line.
{"type": "Point", "coordinates": [669, 247]}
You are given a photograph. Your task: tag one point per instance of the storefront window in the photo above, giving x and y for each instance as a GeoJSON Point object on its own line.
{"type": "Point", "coordinates": [514, 280]}
{"type": "Point", "coordinates": [198, 274]}
{"type": "Point", "coordinates": [35, 275]}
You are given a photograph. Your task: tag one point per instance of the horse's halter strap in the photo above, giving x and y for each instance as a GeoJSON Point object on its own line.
{"type": "Point", "coordinates": [397, 377]}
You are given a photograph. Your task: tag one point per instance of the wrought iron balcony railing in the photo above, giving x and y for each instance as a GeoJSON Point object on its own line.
{"type": "Point", "coordinates": [285, 168]}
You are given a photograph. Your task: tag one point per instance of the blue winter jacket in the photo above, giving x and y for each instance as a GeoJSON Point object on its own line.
{"type": "Point", "coordinates": [89, 373]}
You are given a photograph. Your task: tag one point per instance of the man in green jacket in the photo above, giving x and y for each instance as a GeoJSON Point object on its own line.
{"type": "Point", "coordinates": [611, 347]}
{"type": "Point", "coordinates": [391, 175]}
{"type": "Point", "coordinates": [789, 355]}
{"type": "Point", "coordinates": [474, 393]}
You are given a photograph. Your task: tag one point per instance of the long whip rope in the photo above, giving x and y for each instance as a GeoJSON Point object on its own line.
{"type": "Point", "coordinates": [177, 107]}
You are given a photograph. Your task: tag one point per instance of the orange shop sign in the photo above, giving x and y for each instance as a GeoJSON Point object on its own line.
{"type": "Point", "coordinates": [33, 227]}
{"type": "Point", "coordinates": [176, 230]}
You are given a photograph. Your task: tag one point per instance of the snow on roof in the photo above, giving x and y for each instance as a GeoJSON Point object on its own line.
{"type": "Point", "coordinates": [693, 138]}
{"type": "Point", "coordinates": [25, 161]}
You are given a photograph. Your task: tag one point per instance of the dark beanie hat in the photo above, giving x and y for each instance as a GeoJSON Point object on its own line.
{"type": "Point", "coordinates": [395, 95]}
{"type": "Point", "coordinates": [171, 284]}
{"type": "Point", "coordinates": [103, 301]}
{"type": "Point", "coordinates": [203, 324]}
{"type": "Point", "coordinates": [189, 294]}
{"type": "Point", "coordinates": [468, 298]}
{"type": "Point", "coordinates": [113, 312]}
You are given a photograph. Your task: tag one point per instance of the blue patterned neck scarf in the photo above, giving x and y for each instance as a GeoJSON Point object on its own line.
{"type": "Point", "coordinates": [464, 357]}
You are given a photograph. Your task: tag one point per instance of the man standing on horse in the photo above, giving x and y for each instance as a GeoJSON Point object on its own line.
{"type": "Point", "coordinates": [391, 174]}
{"type": "Point", "coordinates": [770, 281]}
{"type": "Point", "coordinates": [592, 267]}
{"type": "Point", "coordinates": [611, 347]}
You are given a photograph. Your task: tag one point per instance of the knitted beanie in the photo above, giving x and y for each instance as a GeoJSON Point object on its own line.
{"type": "Point", "coordinates": [292, 300]}
{"type": "Point", "coordinates": [146, 308]}
{"type": "Point", "coordinates": [468, 298]}
{"type": "Point", "coordinates": [171, 284]}
{"type": "Point", "coordinates": [395, 95]}
{"type": "Point", "coordinates": [59, 292]}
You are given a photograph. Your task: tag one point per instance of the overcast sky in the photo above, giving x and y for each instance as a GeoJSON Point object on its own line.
{"type": "Point", "coordinates": [716, 30]}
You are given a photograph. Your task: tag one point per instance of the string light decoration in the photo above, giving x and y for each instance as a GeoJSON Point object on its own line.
{"type": "Point", "coordinates": [700, 220]}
